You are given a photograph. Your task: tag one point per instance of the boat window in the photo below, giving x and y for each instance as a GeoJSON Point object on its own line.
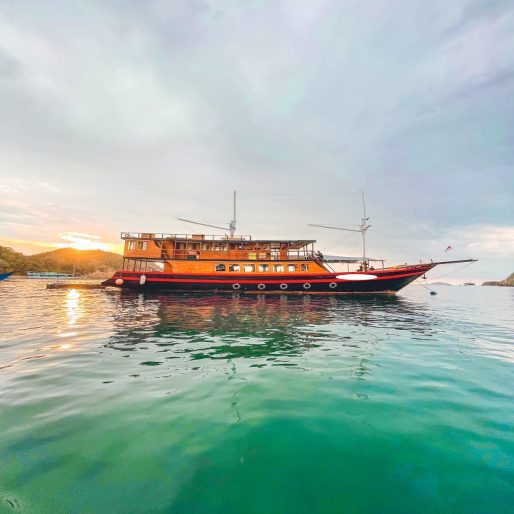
{"type": "Point", "coordinates": [132, 245]}
{"type": "Point", "coordinates": [234, 267]}
{"type": "Point", "coordinates": [220, 267]}
{"type": "Point", "coordinates": [142, 245]}
{"type": "Point", "coordinates": [305, 267]}
{"type": "Point", "coordinates": [249, 268]}
{"type": "Point", "coordinates": [263, 267]}
{"type": "Point", "coordinates": [278, 267]}
{"type": "Point", "coordinates": [291, 267]}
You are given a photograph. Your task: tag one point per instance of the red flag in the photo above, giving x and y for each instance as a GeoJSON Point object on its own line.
{"type": "Point", "coordinates": [448, 248]}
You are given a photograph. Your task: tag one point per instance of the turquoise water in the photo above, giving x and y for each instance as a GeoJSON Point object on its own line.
{"type": "Point", "coordinates": [128, 403]}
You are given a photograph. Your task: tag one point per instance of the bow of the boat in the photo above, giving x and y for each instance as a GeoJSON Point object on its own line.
{"type": "Point", "coordinates": [397, 277]}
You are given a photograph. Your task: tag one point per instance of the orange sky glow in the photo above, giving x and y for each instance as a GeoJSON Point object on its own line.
{"type": "Point", "coordinates": [76, 240]}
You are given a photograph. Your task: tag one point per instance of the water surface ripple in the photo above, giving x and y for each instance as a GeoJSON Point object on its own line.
{"type": "Point", "coordinates": [119, 402]}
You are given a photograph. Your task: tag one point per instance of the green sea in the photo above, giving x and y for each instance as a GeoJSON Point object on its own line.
{"type": "Point", "coordinates": [115, 402]}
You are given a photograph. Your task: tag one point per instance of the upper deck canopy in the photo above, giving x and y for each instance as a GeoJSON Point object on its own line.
{"type": "Point", "coordinates": [242, 241]}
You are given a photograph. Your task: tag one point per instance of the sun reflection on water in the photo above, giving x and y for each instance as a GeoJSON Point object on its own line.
{"type": "Point", "coordinates": [73, 307]}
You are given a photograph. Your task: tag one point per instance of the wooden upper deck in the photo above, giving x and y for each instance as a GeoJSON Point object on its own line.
{"type": "Point", "coordinates": [163, 247]}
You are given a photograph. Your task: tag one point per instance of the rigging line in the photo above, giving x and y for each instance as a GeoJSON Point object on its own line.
{"type": "Point", "coordinates": [431, 234]}
{"type": "Point", "coordinates": [397, 245]}
{"type": "Point", "coordinates": [403, 241]}
{"type": "Point", "coordinates": [345, 238]}
{"type": "Point", "coordinates": [340, 241]}
{"type": "Point", "coordinates": [339, 226]}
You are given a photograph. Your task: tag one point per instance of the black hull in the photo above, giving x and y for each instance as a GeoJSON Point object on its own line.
{"type": "Point", "coordinates": [325, 285]}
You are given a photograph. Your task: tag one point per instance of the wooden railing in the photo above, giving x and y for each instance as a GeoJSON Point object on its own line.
{"type": "Point", "coordinates": [234, 255]}
{"type": "Point", "coordinates": [189, 237]}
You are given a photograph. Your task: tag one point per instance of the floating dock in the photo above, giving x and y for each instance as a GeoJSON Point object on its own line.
{"type": "Point", "coordinates": [75, 286]}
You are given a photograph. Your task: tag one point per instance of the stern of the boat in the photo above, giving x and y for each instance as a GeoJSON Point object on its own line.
{"type": "Point", "coordinates": [114, 281]}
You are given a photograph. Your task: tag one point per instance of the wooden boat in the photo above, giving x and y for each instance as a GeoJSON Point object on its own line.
{"type": "Point", "coordinates": [229, 263]}
{"type": "Point", "coordinates": [3, 276]}
{"type": "Point", "coordinates": [197, 262]}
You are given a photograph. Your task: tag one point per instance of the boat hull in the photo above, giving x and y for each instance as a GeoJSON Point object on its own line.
{"type": "Point", "coordinates": [3, 276]}
{"type": "Point", "coordinates": [387, 281]}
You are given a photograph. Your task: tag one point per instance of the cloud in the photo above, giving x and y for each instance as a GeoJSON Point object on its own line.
{"type": "Point", "coordinates": [119, 116]}
{"type": "Point", "coordinates": [486, 241]}
{"type": "Point", "coordinates": [81, 241]}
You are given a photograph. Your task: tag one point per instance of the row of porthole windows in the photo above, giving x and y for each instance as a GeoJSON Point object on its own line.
{"type": "Point", "coordinates": [250, 268]}
{"type": "Point", "coordinates": [261, 287]}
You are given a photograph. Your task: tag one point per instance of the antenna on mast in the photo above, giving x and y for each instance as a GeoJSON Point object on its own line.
{"type": "Point", "coordinates": [233, 222]}
{"type": "Point", "coordinates": [363, 227]}
{"type": "Point", "coordinates": [231, 226]}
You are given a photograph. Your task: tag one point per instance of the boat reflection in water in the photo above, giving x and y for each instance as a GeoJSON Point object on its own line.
{"type": "Point", "coordinates": [270, 330]}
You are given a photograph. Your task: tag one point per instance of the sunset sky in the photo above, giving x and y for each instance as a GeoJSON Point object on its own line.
{"type": "Point", "coordinates": [119, 115]}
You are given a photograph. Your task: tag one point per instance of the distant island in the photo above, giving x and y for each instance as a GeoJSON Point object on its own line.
{"type": "Point", "coordinates": [89, 263]}
{"type": "Point", "coordinates": [508, 282]}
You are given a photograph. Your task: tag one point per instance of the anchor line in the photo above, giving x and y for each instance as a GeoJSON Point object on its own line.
{"type": "Point", "coordinates": [427, 288]}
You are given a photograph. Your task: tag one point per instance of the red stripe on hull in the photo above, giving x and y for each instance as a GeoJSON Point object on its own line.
{"type": "Point", "coordinates": [238, 280]}
{"type": "Point", "coordinates": [328, 284]}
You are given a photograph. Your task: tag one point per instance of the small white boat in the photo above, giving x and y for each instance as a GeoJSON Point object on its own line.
{"type": "Point", "coordinates": [49, 275]}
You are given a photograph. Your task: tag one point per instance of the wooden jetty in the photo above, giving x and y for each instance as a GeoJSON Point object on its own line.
{"type": "Point", "coordinates": [74, 286]}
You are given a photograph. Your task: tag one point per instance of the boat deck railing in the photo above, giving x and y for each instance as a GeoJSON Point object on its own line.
{"type": "Point", "coordinates": [170, 254]}
{"type": "Point", "coordinates": [240, 256]}
{"type": "Point", "coordinates": [191, 237]}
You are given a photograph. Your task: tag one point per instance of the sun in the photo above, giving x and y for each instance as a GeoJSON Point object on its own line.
{"type": "Point", "coordinates": [87, 244]}
{"type": "Point", "coordinates": [80, 241]}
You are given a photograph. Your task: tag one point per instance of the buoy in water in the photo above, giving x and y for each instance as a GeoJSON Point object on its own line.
{"type": "Point", "coordinates": [119, 282]}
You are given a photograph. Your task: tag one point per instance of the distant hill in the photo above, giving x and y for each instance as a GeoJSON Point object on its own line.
{"type": "Point", "coordinates": [508, 282]}
{"type": "Point", "coordinates": [10, 260]}
{"type": "Point", "coordinates": [63, 260]}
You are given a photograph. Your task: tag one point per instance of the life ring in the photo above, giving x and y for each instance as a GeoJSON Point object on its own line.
{"type": "Point", "coordinates": [332, 285]}
{"type": "Point", "coordinates": [306, 286]}
{"type": "Point", "coordinates": [142, 280]}
{"type": "Point", "coordinates": [236, 286]}
{"type": "Point", "coordinates": [119, 281]}
{"type": "Point", "coordinates": [283, 287]}
{"type": "Point", "coordinates": [261, 287]}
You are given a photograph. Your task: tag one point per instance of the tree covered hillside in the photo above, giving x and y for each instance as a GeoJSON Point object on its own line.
{"type": "Point", "coordinates": [508, 282]}
{"type": "Point", "coordinates": [10, 260]}
{"type": "Point", "coordinates": [64, 260]}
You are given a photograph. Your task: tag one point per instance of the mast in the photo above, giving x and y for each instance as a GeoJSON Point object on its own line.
{"type": "Point", "coordinates": [233, 222]}
{"type": "Point", "coordinates": [363, 227]}
{"type": "Point", "coordinates": [231, 226]}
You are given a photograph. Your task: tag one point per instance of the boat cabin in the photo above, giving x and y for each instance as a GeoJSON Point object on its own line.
{"type": "Point", "coordinates": [200, 253]}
